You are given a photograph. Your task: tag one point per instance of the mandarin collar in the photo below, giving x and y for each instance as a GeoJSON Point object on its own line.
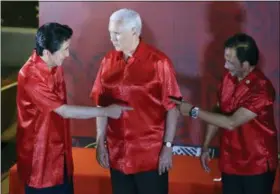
{"type": "Point", "coordinates": [41, 64]}
{"type": "Point", "coordinates": [140, 50]}
{"type": "Point", "coordinates": [249, 80]}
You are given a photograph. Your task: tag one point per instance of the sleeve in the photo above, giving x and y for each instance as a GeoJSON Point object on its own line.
{"type": "Point", "coordinates": [42, 96]}
{"type": "Point", "coordinates": [169, 83]}
{"type": "Point", "coordinates": [97, 88]}
{"type": "Point", "coordinates": [258, 101]}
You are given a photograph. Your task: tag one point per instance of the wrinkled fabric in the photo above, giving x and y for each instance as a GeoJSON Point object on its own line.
{"type": "Point", "coordinates": [144, 82]}
{"type": "Point", "coordinates": [43, 137]}
{"type": "Point", "coordinates": [251, 148]}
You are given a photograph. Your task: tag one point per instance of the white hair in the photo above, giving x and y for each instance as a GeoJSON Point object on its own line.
{"type": "Point", "coordinates": [129, 17]}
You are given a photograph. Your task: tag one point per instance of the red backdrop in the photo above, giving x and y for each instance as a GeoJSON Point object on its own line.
{"type": "Point", "coordinates": [190, 33]}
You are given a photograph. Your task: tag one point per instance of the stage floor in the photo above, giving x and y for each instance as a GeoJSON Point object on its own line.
{"type": "Point", "coordinates": [186, 177]}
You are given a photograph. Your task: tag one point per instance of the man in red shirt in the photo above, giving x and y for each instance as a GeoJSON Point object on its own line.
{"type": "Point", "coordinates": [248, 148]}
{"type": "Point", "coordinates": [44, 153]}
{"type": "Point", "coordinates": [138, 147]}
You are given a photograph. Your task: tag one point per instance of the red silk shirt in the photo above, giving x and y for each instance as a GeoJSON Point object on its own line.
{"type": "Point", "coordinates": [144, 82]}
{"type": "Point", "coordinates": [251, 148]}
{"type": "Point", "coordinates": [43, 137]}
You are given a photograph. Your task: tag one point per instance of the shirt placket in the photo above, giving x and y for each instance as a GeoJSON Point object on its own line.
{"type": "Point", "coordinates": [127, 65]}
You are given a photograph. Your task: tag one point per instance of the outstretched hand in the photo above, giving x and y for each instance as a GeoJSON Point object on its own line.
{"type": "Point", "coordinates": [115, 111]}
{"type": "Point", "coordinates": [183, 106]}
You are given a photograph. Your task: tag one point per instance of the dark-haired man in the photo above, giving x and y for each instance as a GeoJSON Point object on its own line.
{"type": "Point", "coordinates": [248, 149]}
{"type": "Point", "coordinates": [44, 155]}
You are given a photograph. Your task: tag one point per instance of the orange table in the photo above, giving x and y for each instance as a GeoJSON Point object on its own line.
{"type": "Point", "coordinates": [186, 177]}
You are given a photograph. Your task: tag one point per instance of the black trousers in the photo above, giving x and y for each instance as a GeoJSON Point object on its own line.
{"type": "Point", "coordinates": [254, 184]}
{"type": "Point", "coordinates": [149, 182]}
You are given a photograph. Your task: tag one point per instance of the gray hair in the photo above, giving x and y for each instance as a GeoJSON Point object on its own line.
{"type": "Point", "coordinates": [129, 17]}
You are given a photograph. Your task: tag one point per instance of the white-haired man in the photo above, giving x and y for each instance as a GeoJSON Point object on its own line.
{"type": "Point", "coordinates": [138, 147]}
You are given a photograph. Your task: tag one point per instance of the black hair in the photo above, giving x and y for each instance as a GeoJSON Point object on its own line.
{"type": "Point", "coordinates": [51, 36]}
{"type": "Point", "coordinates": [245, 46]}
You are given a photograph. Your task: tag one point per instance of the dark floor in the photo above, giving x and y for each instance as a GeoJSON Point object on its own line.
{"type": "Point", "coordinates": [8, 156]}
{"type": "Point", "coordinates": [7, 71]}
{"type": "Point", "coordinates": [8, 149]}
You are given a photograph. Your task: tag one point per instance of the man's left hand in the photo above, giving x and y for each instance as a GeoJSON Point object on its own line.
{"type": "Point", "coordinates": [165, 160]}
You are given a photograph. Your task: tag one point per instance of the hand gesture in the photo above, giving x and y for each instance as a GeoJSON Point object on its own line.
{"type": "Point", "coordinates": [114, 111]}
{"type": "Point", "coordinates": [183, 106]}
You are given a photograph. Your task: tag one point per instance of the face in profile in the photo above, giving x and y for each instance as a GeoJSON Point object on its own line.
{"type": "Point", "coordinates": [232, 63]}
{"type": "Point", "coordinates": [57, 58]}
{"type": "Point", "coordinates": [121, 35]}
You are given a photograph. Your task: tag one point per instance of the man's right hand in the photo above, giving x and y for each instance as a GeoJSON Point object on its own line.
{"type": "Point", "coordinates": [204, 159]}
{"type": "Point", "coordinates": [114, 111]}
{"type": "Point", "coordinates": [102, 155]}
